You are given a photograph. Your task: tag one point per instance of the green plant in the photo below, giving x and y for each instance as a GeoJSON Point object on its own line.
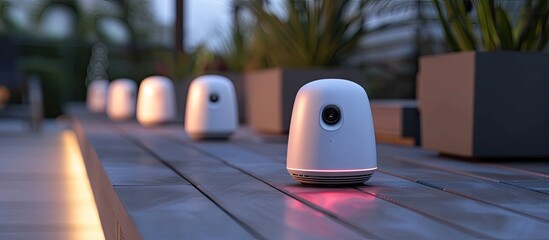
{"type": "Point", "coordinates": [235, 51]}
{"type": "Point", "coordinates": [312, 33]}
{"type": "Point", "coordinates": [53, 80]}
{"type": "Point", "coordinates": [530, 31]}
{"type": "Point", "coordinates": [184, 66]}
{"type": "Point", "coordinates": [81, 24]}
{"type": "Point", "coordinates": [6, 22]}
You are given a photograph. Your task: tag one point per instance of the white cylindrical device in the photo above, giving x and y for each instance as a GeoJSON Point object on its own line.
{"type": "Point", "coordinates": [211, 110]}
{"type": "Point", "coordinates": [331, 139]}
{"type": "Point", "coordinates": [97, 96]}
{"type": "Point", "coordinates": [156, 101]}
{"type": "Point", "coordinates": [121, 99]}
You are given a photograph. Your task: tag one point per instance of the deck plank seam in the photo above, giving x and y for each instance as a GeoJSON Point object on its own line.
{"type": "Point", "coordinates": [136, 141]}
{"type": "Point", "coordinates": [430, 216]}
{"type": "Point", "coordinates": [537, 174]}
{"type": "Point", "coordinates": [463, 173]}
{"type": "Point", "coordinates": [470, 197]}
{"type": "Point", "coordinates": [523, 187]}
{"type": "Point", "coordinates": [526, 172]}
{"type": "Point", "coordinates": [392, 201]}
{"type": "Point", "coordinates": [305, 202]}
{"type": "Point", "coordinates": [424, 183]}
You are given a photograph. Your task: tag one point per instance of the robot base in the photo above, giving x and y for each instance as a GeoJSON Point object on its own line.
{"type": "Point", "coordinates": [210, 136]}
{"type": "Point", "coordinates": [335, 177]}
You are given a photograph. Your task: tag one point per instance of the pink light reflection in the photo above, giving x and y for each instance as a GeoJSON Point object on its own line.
{"type": "Point", "coordinates": [302, 218]}
{"type": "Point", "coordinates": [344, 202]}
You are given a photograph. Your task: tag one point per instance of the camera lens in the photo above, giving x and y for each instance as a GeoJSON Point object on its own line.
{"type": "Point", "coordinates": [214, 97]}
{"type": "Point", "coordinates": [331, 114]}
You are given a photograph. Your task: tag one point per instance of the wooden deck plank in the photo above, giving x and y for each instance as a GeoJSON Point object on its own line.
{"type": "Point", "coordinates": [485, 170]}
{"type": "Point", "coordinates": [37, 191]}
{"type": "Point", "coordinates": [538, 184]}
{"type": "Point", "coordinates": [136, 168]}
{"type": "Point", "coordinates": [143, 203]}
{"type": "Point", "coordinates": [442, 175]}
{"type": "Point", "coordinates": [46, 235]}
{"type": "Point", "coordinates": [177, 212]}
{"type": "Point", "coordinates": [471, 216]}
{"type": "Point", "coordinates": [415, 190]}
{"type": "Point", "coordinates": [125, 162]}
{"type": "Point", "coordinates": [528, 167]}
{"type": "Point", "coordinates": [501, 171]}
{"type": "Point", "coordinates": [46, 213]}
{"type": "Point", "coordinates": [271, 213]}
{"type": "Point", "coordinates": [515, 199]}
{"type": "Point", "coordinates": [349, 204]}
{"type": "Point", "coordinates": [492, 221]}
{"type": "Point", "coordinates": [44, 193]}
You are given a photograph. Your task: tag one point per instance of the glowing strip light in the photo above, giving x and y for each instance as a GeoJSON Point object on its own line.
{"type": "Point", "coordinates": [83, 210]}
{"type": "Point", "coordinates": [315, 170]}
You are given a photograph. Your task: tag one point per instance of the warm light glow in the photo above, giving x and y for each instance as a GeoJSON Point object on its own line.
{"type": "Point", "coordinates": [83, 211]}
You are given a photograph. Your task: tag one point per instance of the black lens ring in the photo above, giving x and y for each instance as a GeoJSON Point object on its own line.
{"type": "Point", "coordinates": [214, 97]}
{"type": "Point", "coordinates": [331, 114]}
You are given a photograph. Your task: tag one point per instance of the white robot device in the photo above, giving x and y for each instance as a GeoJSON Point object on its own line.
{"type": "Point", "coordinates": [331, 139]}
{"type": "Point", "coordinates": [156, 101]}
{"type": "Point", "coordinates": [121, 99]}
{"type": "Point", "coordinates": [211, 111]}
{"type": "Point", "coordinates": [97, 96]}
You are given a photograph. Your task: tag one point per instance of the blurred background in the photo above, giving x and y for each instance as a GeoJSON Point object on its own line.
{"type": "Point", "coordinates": [68, 43]}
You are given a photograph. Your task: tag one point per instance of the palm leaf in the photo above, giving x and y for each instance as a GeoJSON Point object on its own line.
{"type": "Point", "coordinates": [490, 38]}
{"type": "Point", "coordinates": [450, 37]}
{"type": "Point", "coordinates": [503, 29]}
{"type": "Point", "coordinates": [460, 24]}
{"type": "Point", "coordinates": [544, 35]}
{"type": "Point", "coordinates": [314, 33]}
{"type": "Point", "coordinates": [495, 28]}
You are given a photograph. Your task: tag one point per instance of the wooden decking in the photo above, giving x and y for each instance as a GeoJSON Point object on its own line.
{"type": "Point", "coordinates": [44, 190]}
{"type": "Point", "coordinates": [156, 183]}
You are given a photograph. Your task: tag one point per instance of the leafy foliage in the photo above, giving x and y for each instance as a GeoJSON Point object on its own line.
{"type": "Point", "coordinates": [235, 51]}
{"type": "Point", "coordinates": [6, 22]}
{"type": "Point", "coordinates": [185, 66]}
{"type": "Point", "coordinates": [313, 33]}
{"type": "Point", "coordinates": [496, 31]}
{"type": "Point", "coordinates": [81, 25]}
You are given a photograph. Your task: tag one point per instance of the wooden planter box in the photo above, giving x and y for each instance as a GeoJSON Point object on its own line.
{"type": "Point", "coordinates": [485, 104]}
{"type": "Point", "coordinates": [270, 94]}
{"type": "Point", "coordinates": [396, 121]}
{"type": "Point", "coordinates": [238, 82]}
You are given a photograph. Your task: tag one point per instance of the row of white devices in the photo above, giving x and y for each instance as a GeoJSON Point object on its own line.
{"type": "Point", "coordinates": [331, 139]}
